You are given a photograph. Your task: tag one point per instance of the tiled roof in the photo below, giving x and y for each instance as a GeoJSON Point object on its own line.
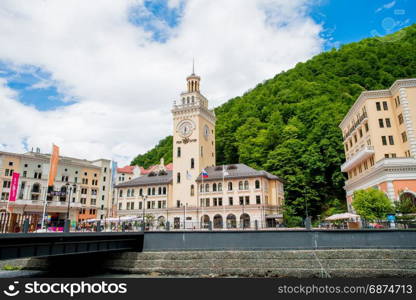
{"type": "Point", "coordinates": [144, 171]}
{"type": "Point", "coordinates": [235, 171]}
{"type": "Point", "coordinates": [148, 180]}
{"type": "Point", "coordinates": [126, 169]}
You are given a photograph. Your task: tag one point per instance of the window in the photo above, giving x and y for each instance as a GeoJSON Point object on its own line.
{"type": "Point", "coordinates": [219, 187]}
{"type": "Point", "coordinates": [119, 205]}
{"type": "Point", "coordinates": [365, 165]}
{"type": "Point", "coordinates": [393, 155]}
{"type": "Point", "coordinates": [141, 192]}
{"type": "Point", "coordinates": [391, 140]}
{"type": "Point", "coordinates": [355, 138]}
{"type": "Point", "coordinates": [240, 185]}
{"type": "Point", "coordinates": [230, 186]}
{"type": "Point", "coordinates": [202, 151]}
{"type": "Point", "coordinates": [366, 127]}
{"type": "Point", "coordinates": [148, 204]}
{"type": "Point", "coordinates": [214, 187]}
{"type": "Point", "coordinates": [24, 174]}
{"type": "Point", "coordinates": [384, 140]}
{"type": "Point", "coordinates": [246, 185]}
{"type": "Point", "coordinates": [128, 193]}
{"type": "Point", "coordinates": [6, 184]}
{"type": "Point", "coordinates": [230, 200]}
{"type": "Point", "coordinates": [159, 191]}
{"type": "Point", "coordinates": [164, 190]}
{"type": "Point", "coordinates": [400, 117]}
{"type": "Point", "coordinates": [214, 202]}
{"type": "Point", "coordinates": [386, 155]}
{"type": "Point", "coordinates": [192, 163]}
{"type": "Point", "coordinates": [404, 136]}
{"type": "Point", "coordinates": [178, 203]}
{"type": "Point", "coordinates": [178, 152]}
{"type": "Point", "coordinates": [378, 106]}
{"type": "Point", "coordinates": [104, 178]}
{"type": "Point", "coordinates": [257, 184]}
{"type": "Point", "coordinates": [121, 193]}
{"type": "Point", "coordinates": [178, 177]}
{"type": "Point", "coordinates": [385, 107]}
{"type": "Point", "coordinates": [388, 124]}
{"type": "Point", "coordinates": [140, 205]}
{"type": "Point", "coordinates": [247, 200]}
{"type": "Point", "coordinates": [360, 131]}
{"type": "Point", "coordinates": [206, 187]}
{"type": "Point", "coordinates": [154, 190]}
{"type": "Point", "coordinates": [258, 199]}
{"type": "Point", "coordinates": [241, 200]}
{"type": "Point", "coordinates": [192, 190]}
{"type": "Point", "coordinates": [10, 163]}
{"type": "Point", "coordinates": [381, 123]}
{"type": "Point", "coordinates": [105, 170]}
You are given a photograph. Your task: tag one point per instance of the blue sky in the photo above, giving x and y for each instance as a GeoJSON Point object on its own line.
{"type": "Point", "coordinates": [344, 21]}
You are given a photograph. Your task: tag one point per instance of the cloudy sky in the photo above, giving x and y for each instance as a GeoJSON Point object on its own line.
{"type": "Point", "coordinates": [98, 78]}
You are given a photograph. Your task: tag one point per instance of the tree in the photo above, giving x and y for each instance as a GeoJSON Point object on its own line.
{"type": "Point", "coordinates": [372, 204]}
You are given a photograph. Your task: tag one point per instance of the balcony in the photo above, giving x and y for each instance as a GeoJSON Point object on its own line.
{"type": "Point", "coordinates": [356, 124]}
{"type": "Point", "coordinates": [364, 153]}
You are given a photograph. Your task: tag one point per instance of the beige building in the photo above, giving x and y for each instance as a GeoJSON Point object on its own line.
{"type": "Point", "coordinates": [380, 142]}
{"type": "Point", "coordinates": [230, 196]}
{"type": "Point", "coordinates": [86, 183]}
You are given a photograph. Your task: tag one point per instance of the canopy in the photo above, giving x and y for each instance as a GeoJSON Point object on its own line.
{"type": "Point", "coordinates": [342, 216]}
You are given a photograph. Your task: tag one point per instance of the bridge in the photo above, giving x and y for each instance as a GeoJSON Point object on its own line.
{"type": "Point", "coordinates": [21, 245]}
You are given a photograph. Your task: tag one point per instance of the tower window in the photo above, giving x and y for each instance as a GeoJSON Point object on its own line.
{"type": "Point", "coordinates": [192, 190]}
{"type": "Point", "coordinates": [385, 107]}
{"type": "Point", "coordinates": [192, 163]}
{"type": "Point", "coordinates": [178, 152]}
{"type": "Point", "coordinates": [178, 177]}
{"type": "Point", "coordinates": [202, 151]}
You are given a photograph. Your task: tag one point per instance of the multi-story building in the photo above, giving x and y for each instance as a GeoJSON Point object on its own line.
{"type": "Point", "coordinates": [380, 142]}
{"type": "Point", "coordinates": [86, 184]}
{"type": "Point", "coordinates": [227, 196]}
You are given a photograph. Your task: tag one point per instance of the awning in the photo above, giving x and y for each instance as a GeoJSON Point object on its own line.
{"type": "Point", "coordinates": [274, 216]}
{"type": "Point", "coordinates": [343, 216]}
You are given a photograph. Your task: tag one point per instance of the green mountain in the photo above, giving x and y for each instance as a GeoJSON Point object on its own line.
{"type": "Point", "coordinates": [288, 125]}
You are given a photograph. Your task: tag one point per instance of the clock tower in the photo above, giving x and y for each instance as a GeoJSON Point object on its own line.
{"type": "Point", "coordinates": [193, 142]}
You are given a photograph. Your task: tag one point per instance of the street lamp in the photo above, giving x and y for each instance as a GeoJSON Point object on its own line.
{"type": "Point", "coordinates": [144, 210]}
{"type": "Point", "coordinates": [69, 189]}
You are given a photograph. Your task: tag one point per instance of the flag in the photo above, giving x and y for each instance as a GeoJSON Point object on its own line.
{"type": "Point", "coordinates": [53, 165]}
{"type": "Point", "coordinates": [204, 174]}
{"type": "Point", "coordinates": [224, 172]}
{"type": "Point", "coordinates": [14, 186]}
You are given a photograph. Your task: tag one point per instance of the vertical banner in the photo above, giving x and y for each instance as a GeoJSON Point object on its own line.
{"type": "Point", "coordinates": [14, 186]}
{"type": "Point", "coordinates": [53, 165]}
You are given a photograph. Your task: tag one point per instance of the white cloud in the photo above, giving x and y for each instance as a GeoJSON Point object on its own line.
{"type": "Point", "coordinates": [388, 5]}
{"type": "Point", "coordinates": [124, 81]}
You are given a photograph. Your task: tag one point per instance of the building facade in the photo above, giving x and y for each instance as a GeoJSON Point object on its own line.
{"type": "Point", "coordinates": [86, 184]}
{"type": "Point", "coordinates": [230, 196]}
{"type": "Point", "coordinates": [379, 134]}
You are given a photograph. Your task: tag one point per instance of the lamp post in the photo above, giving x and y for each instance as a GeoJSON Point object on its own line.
{"type": "Point", "coordinates": [144, 210]}
{"type": "Point", "coordinates": [68, 191]}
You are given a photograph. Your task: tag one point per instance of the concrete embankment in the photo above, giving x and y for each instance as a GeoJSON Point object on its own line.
{"type": "Point", "coordinates": [287, 263]}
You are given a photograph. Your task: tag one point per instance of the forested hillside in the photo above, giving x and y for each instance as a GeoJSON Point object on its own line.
{"type": "Point", "coordinates": [288, 125]}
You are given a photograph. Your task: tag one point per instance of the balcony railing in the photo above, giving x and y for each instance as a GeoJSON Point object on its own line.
{"type": "Point", "coordinates": [364, 153]}
{"type": "Point", "coordinates": [356, 124]}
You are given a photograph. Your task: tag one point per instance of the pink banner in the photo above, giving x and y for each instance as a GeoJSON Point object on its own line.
{"type": "Point", "coordinates": [14, 186]}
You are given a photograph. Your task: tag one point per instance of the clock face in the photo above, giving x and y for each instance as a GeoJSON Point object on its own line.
{"type": "Point", "coordinates": [185, 128]}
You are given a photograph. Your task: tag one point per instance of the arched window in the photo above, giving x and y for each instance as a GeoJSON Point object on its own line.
{"type": "Point", "coordinates": [149, 191]}
{"type": "Point", "coordinates": [128, 193]}
{"type": "Point", "coordinates": [214, 187]}
{"type": "Point", "coordinates": [218, 221]}
{"type": "Point", "coordinates": [257, 184]}
{"type": "Point", "coordinates": [141, 192]}
{"type": "Point", "coordinates": [192, 163]}
{"type": "Point", "coordinates": [193, 99]}
{"type": "Point", "coordinates": [207, 187]}
{"type": "Point", "coordinates": [192, 190]}
{"type": "Point", "coordinates": [178, 152]}
{"type": "Point", "coordinates": [187, 100]}
{"type": "Point", "coordinates": [201, 188]}
{"type": "Point", "coordinates": [219, 187]}
{"type": "Point", "coordinates": [132, 192]}
{"type": "Point", "coordinates": [240, 185]}
{"type": "Point", "coordinates": [246, 185]}
{"type": "Point", "coordinates": [164, 190]}
{"type": "Point", "coordinates": [153, 191]}
{"type": "Point", "coordinates": [159, 191]}
{"type": "Point", "coordinates": [121, 193]}
{"type": "Point", "coordinates": [230, 186]}
{"type": "Point", "coordinates": [178, 177]}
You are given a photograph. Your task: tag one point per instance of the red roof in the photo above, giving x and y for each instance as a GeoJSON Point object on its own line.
{"type": "Point", "coordinates": [143, 171]}
{"type": "Point", "coordinates": [126, 169]}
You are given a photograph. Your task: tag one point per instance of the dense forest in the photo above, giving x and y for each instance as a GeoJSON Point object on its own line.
{"type": "Point", "coordinates": [288, 125]}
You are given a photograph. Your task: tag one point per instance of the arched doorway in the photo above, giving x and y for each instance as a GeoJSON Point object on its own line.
{"type": "Point", "coordinates": [407, 202]}
{"type": "Point", "coordinates": [231, 221]}
{"type": "Point", "coordinates": [204, 221]}
{"type": "Point", "coordinates": [245, 221]}
{"type": "Point", "coordinates": [218, 221]}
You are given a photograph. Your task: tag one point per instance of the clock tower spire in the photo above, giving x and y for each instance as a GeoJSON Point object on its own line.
{"type": "Point", "coordinates": [193, 141]}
